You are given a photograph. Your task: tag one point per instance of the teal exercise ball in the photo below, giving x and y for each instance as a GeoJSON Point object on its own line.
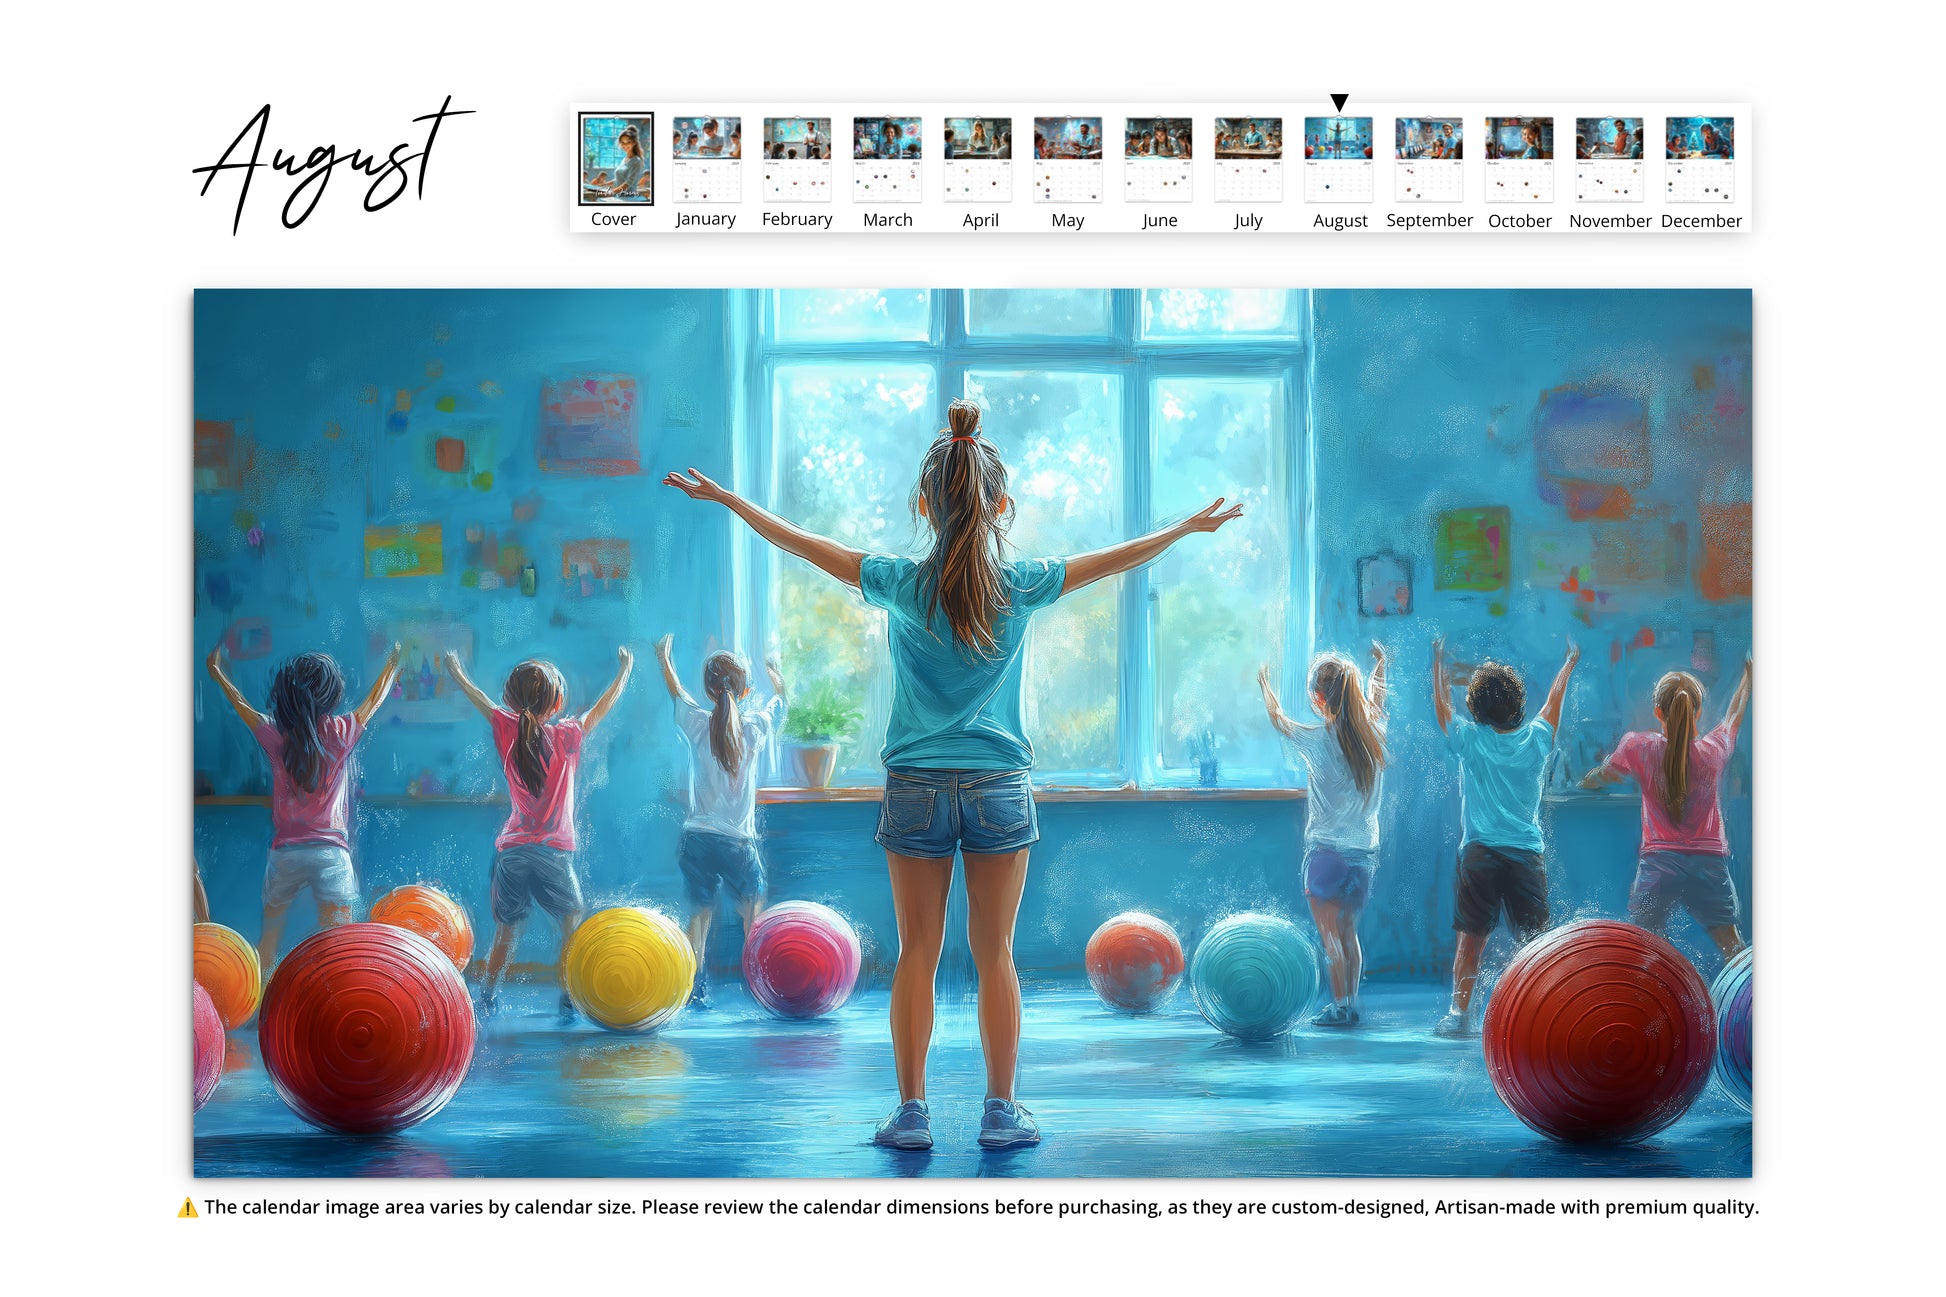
{"type": "Point", "coordinates": [1253, 976]}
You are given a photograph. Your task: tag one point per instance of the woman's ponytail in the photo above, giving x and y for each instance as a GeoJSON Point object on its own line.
{"type": "Point", "coordinates": [963, 483]}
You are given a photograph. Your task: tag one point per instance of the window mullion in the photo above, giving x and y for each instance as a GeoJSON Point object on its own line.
{"type": "Point", "coordinates": [1138, 701]}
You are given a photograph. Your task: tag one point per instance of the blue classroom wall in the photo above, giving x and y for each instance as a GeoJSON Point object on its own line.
{"type": "Point", "coordinates": [1421, 402]}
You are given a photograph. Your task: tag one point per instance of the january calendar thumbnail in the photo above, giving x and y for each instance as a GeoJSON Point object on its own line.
{"type": "Point", "coordinates": [1313, 726]}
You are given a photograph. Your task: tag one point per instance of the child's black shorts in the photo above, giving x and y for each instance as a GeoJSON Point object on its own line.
{"type": "Point", "coordinates": [1490, 877]}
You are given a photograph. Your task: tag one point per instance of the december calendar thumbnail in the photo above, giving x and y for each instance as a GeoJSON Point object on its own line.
{"type": "Point", "coordinates": [622, 744]}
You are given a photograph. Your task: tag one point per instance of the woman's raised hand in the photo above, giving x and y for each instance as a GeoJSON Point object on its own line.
{"type": "Point", "coordinates": [1211, 518]}
{"type": "Point", "coordinates": [695, 486]}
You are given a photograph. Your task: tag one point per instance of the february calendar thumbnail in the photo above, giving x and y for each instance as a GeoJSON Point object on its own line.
{"type": "Point", "coordinates": [883, 732]}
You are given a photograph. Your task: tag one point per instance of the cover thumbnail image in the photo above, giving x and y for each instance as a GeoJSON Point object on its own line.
{"type": "Point", "coordinates": [617, 153]}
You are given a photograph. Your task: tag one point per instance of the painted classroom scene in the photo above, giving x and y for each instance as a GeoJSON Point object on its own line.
{"type": "Point", "coordinates": [1095, 733]}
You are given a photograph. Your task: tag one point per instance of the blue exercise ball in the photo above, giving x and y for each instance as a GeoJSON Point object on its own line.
{"type": "Point", "coordinates": [1731, 996]}
{"type": "Point", "coordinates": [1253, 976]}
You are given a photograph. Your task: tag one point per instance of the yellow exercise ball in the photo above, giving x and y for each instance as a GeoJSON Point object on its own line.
{"type": "Point", "coordinates": [629, 968]}
{"type": "Point", "coordinates": [226, 965]}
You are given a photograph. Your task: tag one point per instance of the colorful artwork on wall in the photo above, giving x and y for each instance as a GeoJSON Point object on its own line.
{"type": "Point", "coordinates": [1470, 549]}
{"type": "Point", "coordinates": [588, 425]}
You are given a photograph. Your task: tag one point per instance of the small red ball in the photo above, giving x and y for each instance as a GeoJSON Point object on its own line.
{"type": "Point", "coordinates": [366, 1028]}
{"type": "Point", "coordinates": [1133, 961]}
{"type": "Point", "coordinates": [1600, 1032]}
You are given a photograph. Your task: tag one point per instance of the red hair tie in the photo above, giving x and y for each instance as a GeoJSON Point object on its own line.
{"type": "Point", "coordinates": [971, 436]}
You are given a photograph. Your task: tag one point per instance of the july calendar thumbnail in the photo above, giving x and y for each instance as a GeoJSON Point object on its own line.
{"type": "Point", "coordinates": [1427, 155]}
{"type": "Point", "coordinates": [979, 155]}
{"type": "Point", "coordinates": [885, 154]}
{"type": "Point", "coordinates": [1608, 160]}
{"type": "Point", "coordinates": [1337, 159]}
{"type": "Point", "coordinates": [617, 152]}
{"type": "Point", "coordinates": [1249, 159]}
{"type": "Point", "coordinates": [1699, 163]}
{"type": "Point", "coordinates": [706, 160]}
{"type": "Point", "coordinates": [1155, 160]}
{"type": "Point", "coordinates": [797, 159]}
{"type": "Point", "coordinates": [1520, 160]}
{"type": "Point", "coordinates": [1067, 160]}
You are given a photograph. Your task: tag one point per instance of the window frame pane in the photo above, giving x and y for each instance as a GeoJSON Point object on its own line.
{"type": "Point", "coordinates": [1139, 361]}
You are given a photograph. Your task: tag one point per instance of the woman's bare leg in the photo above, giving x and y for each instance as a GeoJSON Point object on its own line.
{"type": "Point", "coordinates": [1466, 968]}
{"type": "Point", "coordinates": [993, 888]}
{"type": "Point", "coordinates": [919, 889]}
{"type": "Point", "coordinates": [1354, 952]}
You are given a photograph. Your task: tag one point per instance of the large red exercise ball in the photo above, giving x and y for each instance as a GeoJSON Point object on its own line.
{"type": "Point", "coordinates": [1133, 961]}
{"type": "Point", "coordinates": [1599, 1032]}
{"type": "Point", "coordinates": [366, 1028]}
{"type": "Point", "coordinates": [801, 959]}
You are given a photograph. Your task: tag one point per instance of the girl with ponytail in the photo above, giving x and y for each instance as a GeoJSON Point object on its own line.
{"type": "Point", "coordinates": [957, 760]}
{"type": "Point", "coordinates": [1346, 759]}
{"type": "Point", "coordinates": [1685, 853]}
{"type": "Point", "coordinates": [533, 860]}
{"type": "Point", "coordinates": [719, 839]}
{"type": "Point", "coordinates": [309, 744]}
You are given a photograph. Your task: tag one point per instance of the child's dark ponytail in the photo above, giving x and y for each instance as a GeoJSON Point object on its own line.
{"type": "Point", "coordinates": [725, 678]}
{"type": "Point", "coordinates": [534, 692]}
{"type": "Point", "coordinates": [1679, 697]}
{"type": "Point", "coordinates": [307, 689]}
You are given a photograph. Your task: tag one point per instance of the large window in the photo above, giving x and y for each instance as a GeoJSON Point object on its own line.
{"type": "Point", "coordinates": [1116, 411]}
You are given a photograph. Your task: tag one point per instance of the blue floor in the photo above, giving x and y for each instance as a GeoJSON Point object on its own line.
{"type": "Point", "coordinates": [733, 1092]}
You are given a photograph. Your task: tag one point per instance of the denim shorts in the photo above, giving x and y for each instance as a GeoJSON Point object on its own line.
{"type": "Point", "coordinates": [1344, 876]}
{"type": "Point", "coordinates": [323, 867]}
{"type": "Point", "coordinates": [711, 860]}
{"type": "Point", "coordinates": [1699, 881]}
{"type": "Point", "coordinates": [929, 813]}
{"type": "Point", "coordinates": [529, 873]}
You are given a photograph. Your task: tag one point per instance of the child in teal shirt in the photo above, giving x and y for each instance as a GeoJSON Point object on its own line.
{"type": "Point", "coordinates": [1503, 770]}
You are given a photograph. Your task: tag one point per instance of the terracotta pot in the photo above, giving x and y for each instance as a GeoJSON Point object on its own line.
{"type": "Point", "coordinates": [815, 762]}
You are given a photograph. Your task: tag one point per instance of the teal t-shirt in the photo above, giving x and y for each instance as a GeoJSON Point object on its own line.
{"type": "Point", "coordinates": [952, 708]}
{"type": "Point", "coordinates": [1501, 779]}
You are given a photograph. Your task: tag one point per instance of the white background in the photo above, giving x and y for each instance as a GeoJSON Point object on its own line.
{"type": "Point", "coordinates": [108, 110]}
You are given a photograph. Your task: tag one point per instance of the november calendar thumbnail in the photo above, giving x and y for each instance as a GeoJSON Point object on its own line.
{"type": "Point", "coordinates": [1135, 733]}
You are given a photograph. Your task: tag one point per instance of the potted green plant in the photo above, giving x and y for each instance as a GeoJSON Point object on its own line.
{"type": "Point", "coordinates": [821, 721]}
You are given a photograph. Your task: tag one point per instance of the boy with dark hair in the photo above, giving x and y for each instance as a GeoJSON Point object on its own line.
{"type": "Point", "coordinates": [1503, 769]}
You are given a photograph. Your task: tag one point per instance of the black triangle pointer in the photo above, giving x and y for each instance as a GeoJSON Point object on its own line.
{"type": "Point", "coordinates": [1340, 101]}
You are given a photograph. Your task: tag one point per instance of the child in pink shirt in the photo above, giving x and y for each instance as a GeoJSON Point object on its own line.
{"type": "Point", "coordinates": [309, 745]}
{"type": "Point", "coordinates": [1685, 853]}
{"type": "Point", "coordinates": [533, 858]}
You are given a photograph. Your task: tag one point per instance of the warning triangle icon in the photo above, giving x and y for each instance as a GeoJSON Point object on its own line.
{"type": "Point", "coordinates": [1340, 101]}
{"type": "Point", "coordinates": [188, 1211]}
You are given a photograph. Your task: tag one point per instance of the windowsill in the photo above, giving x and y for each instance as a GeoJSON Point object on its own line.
{"type": "Point", "coordinates": [369, 799]}
{"type": "Point", "coordinates": [1048, 793]}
